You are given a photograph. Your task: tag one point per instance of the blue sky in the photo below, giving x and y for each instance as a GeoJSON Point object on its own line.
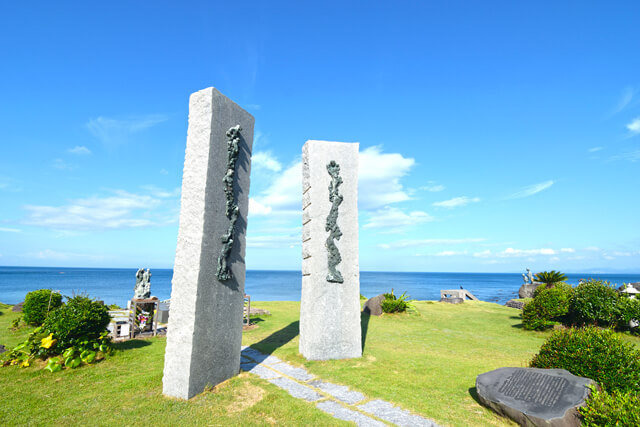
{"type": "Point", "coordinates": [494, 136]}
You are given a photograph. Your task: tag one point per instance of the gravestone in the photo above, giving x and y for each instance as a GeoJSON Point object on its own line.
{"type": "Point", "coordinates": [373, 306]}
{"type": "Point", "coordinates": [205, 327]}
{"type": "Point", "coordinates": [532, 396]}
{"type": "Point", "coordinates": [330, 301]}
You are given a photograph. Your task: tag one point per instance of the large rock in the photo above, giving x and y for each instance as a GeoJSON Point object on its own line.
{"type": "Point", "coordinates": [17, 308]}
{"type": "Point", "coordinates": [373, 306]}
{"type": "Point", "coordinates": [527, 289]}
{"type": "Point", "coordinates": [534, 397]}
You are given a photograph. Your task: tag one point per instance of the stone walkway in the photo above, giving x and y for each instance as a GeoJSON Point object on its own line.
{"type": "Point", "coordinates": [336, 400]}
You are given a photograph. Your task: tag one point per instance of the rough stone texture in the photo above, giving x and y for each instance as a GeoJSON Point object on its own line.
{"type": "Point", "coordinates": [452, 300]}
{"type": "Point", "coordinates": [527, 289]}
{"type": "Point", "coordinates": [340, 392]}
{"type": "Point", "coordinates": [373, 306]}
{"type": "Point", "coordinates": [261, 371]}
{"type": "Point", "coordinates": [342, 413]}
{"type": "Point", "coordinates": [531, 396]}
{"type": "Point", "coordinates": [205, 326]}
{"type": "Point", "coordinates": [515, 304]}
{"type": "Point", "coordinates": [17, 308]}
{"type": "Point", "coordinates": [300, 374]}
{"type": "Point", "coordinates": [395, 415]}
{"type": "Point", "coordinates": [296, 390]}
{"type": "Point", "coordinates": [329, 312]}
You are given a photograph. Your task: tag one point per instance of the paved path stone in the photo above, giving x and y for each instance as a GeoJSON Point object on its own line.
{"type": "Point", "coordinates": [296, 389]}
{"type": "Point", "coordinates": [395, 415]}
{"type": "Point", "coordinates": [342, 413]}
{"type": "Point", "coordinates": [334, 399]}
{"type": "Point", "coordinates": [340, 392]}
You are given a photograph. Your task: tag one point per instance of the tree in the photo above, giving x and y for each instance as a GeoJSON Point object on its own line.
{"type": "Point", "coordinates": [550, 278]}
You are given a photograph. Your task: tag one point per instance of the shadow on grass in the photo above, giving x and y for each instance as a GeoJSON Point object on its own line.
{"type": "Point", "coordinates": [256, 319]}
{"type": "Point", "coordinates": [517, 326]}
{"type": "Point", "coordinates": [279, 338]}
{"type": "Point", "coordinates": [131, 344]}
{"type": "Point", "coordinates": [474, 394]}
{"type": "Point", "coordinates": [364, 325]}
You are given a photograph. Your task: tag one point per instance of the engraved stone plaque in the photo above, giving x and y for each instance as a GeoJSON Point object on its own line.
{"type": "Point", "coordinates": [531, 396]}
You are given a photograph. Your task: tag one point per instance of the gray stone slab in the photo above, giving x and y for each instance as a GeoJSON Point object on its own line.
{"type": "Point", "coordinates": [532, 396]}
{"type": "Point", "coordinates": [388, 412]}
{"type": "Point", "coordinates": [205, 326]}
{"type": "Point", "coordinates": [329, 310]}
{"type": "Point", "coordinates": [339, 392]}
{"type": "Point", "coordinates": [342, 413]}
{"type": "Point", "coordinates": [296, 390]}
{"type": "Point", "coordinates": [263, 372]}
{"type": "Point", "coordinates": [300, 374]}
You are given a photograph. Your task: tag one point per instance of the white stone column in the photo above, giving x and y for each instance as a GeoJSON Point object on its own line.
{"type": "Point", "coordinates": [330, 301]}
{"type": "Point", "coordinates": [204, 334]}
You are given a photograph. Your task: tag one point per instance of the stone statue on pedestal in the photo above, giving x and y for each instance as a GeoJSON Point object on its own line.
{"type": "Point", "coordinates": [142, 290]}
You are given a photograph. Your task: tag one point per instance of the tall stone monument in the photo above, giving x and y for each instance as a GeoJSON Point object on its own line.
{"type": "Point", "coordinates": [330, 301]}
{"type": "Point", "coordinates": [205, 327]}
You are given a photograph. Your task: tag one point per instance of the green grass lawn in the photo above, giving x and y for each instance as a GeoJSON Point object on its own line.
{"type": "Point", "coordinates": [425, 362]}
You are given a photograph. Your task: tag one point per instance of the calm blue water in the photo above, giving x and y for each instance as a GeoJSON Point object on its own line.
{"type": "Point", "coordinates": [115, 286]}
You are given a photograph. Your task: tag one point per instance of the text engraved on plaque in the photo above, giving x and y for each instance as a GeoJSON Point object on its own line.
{"type": "Point", "coordinates": [542, 389]}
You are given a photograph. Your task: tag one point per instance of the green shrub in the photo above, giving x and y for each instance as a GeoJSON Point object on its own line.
{"type": "Point", "coordinates": [611, 409]}
{"type": "Point", "coordinates": [37, 304]}
{"type": "Point", "coordinates": [549, 306]}
{"type": "Point", "coordinates": [79, 319]}
{"type": "Point", "coordinates": [628, 309]}
{"type": "Point", "coordinates": [393, 304]}
{"type": "Point", "coordinates": [593, 353]}
{"type": "Point", "coordinates": [595, 302]}
{"type": "Point", "coordinates": [550, 278]}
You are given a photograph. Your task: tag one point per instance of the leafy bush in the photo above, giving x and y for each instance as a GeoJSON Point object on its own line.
{"type": "Point", "coordinates": [547, 307]}
{"type": "Point", "coordinates": [550, 278]}
{"type": "Point", "coordinates": [628, 309]}
{"type": "Point", "coordinates": [79, 319]}
{"type": "Point", "coordinates": [594, 353]}
{"type": "Point", "coordinates": [37, 304]}
{"type": "Point", "coordinates": [37, 344]}
{"type": "Point", "coordinates": [611, 409]}
{"type": "Point", "coordinates": [595, 302]}
{"type": "Point", "coordinates": [393, 304]}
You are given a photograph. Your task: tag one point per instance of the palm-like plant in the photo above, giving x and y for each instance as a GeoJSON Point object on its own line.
{"type": "Point", "coordinates": [550, 278]}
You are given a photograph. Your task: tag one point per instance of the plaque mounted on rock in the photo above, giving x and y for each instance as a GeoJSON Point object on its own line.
{"type": "Point", "coordinates": [536, 397]}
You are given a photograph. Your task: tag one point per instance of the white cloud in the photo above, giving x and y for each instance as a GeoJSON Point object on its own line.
{"type": "Point", "coordinates": [379, 184]}
{"type": "Point", "coordinates": [567, 250]}
{"type": "Point", "coordinates": [428, 242]}
{"type": "Point", "coordinates": [274, 241]}
{"type": "Point", "coordinates": [456, 202]}
{"type": "Point", "coordinates": [625, 100]}
{"type": "Point", "coordinates": [258, 209]}
{"type": "Point", "coordinates": [120, 210]}
{"type": "Point", "coordinates": [10, 230]}
{"type": "Point", "coordinates": [631, 156]}
{"type": "Point", "coordinates": [110, 130]}
{"type": "Point", "coordinates": [164, 172]}
{"type": "Point", "coordinates": [531, 190]}
{"type": "Point", "coordinates": [80, 150]}
{"type": "Point", "coordinates": [49, 254]}
{"type": "Point", "coordinates": [433, 187]}
{"type": "Point", "coordinates": [265, 160]}
{"type": "Point", "coordinates": [592, 249]}
{"type": "Point", "coordinates": [450, 253]}
{"type": "Point", "coordinates": [379, 177]}
{"type": "Point", "coordinates": [62, 165]}
{"type": "Point", "coordinates": [394, 219]}
{"type": "Point", "coordinates": [511, 252]}
{"type": "Point", "coordinates": [634, 126]}
{"type": "Point", "coordinates": [594, 149]}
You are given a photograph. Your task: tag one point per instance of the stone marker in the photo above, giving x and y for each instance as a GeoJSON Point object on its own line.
{"type": "Point", "coordinates": [205, 327]}
{"type": "Point", "coordinates": [373, 306]}
{"type": "Point", "coordinates": [330, 301]}
{"type": "Point", "coordinates": [531, 396]}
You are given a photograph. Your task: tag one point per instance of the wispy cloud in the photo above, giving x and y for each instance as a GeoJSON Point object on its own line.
{"type": "Point", "coordinates": [274, 241]}
{"type": "Point", "coordinates": [444, 254]}
{"type": "Point", "coordinates": [531, 190]}
{"type": "Point", "coordinates": [433, 187]}
{"type": "Point", "coordinates": [511, 252]}
{"type": "Point", "coordinates": [623, 102]}
{"type": "Point", "coordinates": [265, 160]}
{"type": "Point", "coordinates": [456, 202]}
{"type": "Point", "coordinates": [594, 149]}
{"type": "Point", "coordinates": [630, 156]}
{"type": "Point", "coordinates": [119, 210]}
{"type": "Point", "coordinates": [394, 220]}
{"type": "Point", "coordinates": [62, 165]}
{"type": "Point", "coordinates": [10, 230]}
{"type": "Point", "coordinates": [79, 150]}
{"type": "Point", "coordinates": [112, 130]}
{"type": "Point", "coordinates": [48, 254]}
{"type": "Point", "coordinates": [408, 243]}
{"type": "Point", "coordinates": [258, 209]}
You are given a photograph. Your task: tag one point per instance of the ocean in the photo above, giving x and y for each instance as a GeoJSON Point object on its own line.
{"type": "Point", "coordinates": [115, 285]}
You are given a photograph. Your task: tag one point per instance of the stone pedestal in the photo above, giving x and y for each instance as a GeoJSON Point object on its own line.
{"type": "Point", "coordinates": [205, 327]}
{"type": "Point", "coordinates": [330, 301]}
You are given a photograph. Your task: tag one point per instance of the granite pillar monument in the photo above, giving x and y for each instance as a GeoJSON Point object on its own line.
{"type": "Point", "coordinates": [205, 327]}
{"type": "Point", "coordinates": [330, 301]}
